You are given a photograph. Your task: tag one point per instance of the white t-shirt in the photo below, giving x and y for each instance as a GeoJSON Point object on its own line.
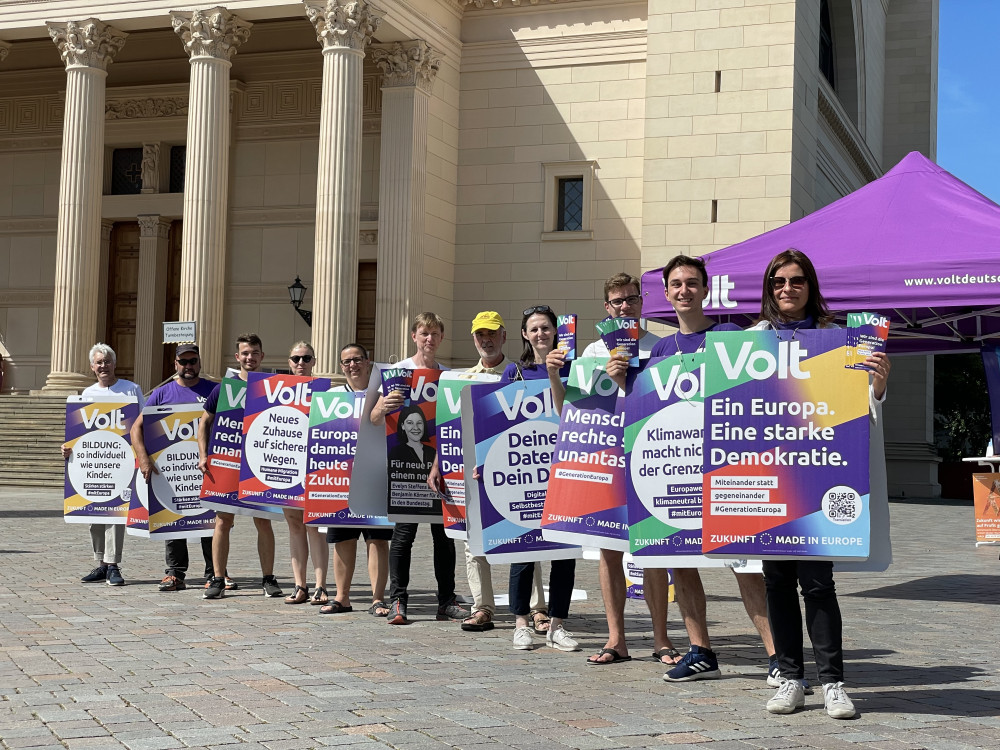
{"type": "Point", "coordinates": [121, 387]}
{"type": "Point", "coordinates": [600, 349]}
{"type": "Point", "coordinates": [409, 364]}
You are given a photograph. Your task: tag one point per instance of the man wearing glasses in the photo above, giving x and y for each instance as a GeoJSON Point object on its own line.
{"type": "Point", "coordinates": [186, 387]}
{"type": "Point", "coordinates": [623, 299]}
{"type": "Point", "coordinates": [249, 355]}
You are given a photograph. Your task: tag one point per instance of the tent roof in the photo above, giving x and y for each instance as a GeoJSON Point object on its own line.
{"type": "Point", "coordinates": [917, 244]}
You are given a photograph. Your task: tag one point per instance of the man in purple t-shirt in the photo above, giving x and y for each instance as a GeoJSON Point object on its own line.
{"type": "Point", "coordinates": [187, 387]}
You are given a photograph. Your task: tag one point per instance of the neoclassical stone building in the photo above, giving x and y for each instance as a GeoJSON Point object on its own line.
{"type": "Point", "coordinates": [170, 161]}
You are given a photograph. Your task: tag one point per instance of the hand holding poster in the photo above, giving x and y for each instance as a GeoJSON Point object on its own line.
{"type": "Point", "coordinates": [621, 336]}
{"type": "Point", "coordinates": [275, 435]}
{"type": "Point", "coordinates": [867, 333]}
{"type": "Point", "coordinates": [786, 447]}
{"type": "Point", "coordinates": [102, 464]}
{"type": "Point", "coordinates": [585, 502]}
{"type": "Point", "coordinates": [334, 420]}
{"type": "Point", "coordinates": [566, 335]}
{"type": "Point", "coordinates": [169, 506]}
{"type": "Point", "coordinates": [448, 423]}
{"type": "Point", "coordinates": [397, 379]}
{"type": "Point", "coordinates": [411, 445]}
{"type": "Point", "coordinates": [513, 429]}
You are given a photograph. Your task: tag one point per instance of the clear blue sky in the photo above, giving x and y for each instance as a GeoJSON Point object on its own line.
{"type": "Point", "coordinates": [969, 93]}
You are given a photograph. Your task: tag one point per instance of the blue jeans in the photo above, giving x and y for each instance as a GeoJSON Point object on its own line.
{"type": "Point", "coordinates": [561, 580]}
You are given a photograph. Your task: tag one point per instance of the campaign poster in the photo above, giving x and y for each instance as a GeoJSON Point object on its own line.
{"type": "Point", "coordinates": [275, 437]}
{"type": "Point", "coordinates": [621, 337]}
{"type": "Point", "coordinates": [664, 434]}
{"type": "Point", "coordinates": [334, 420]}
{"type": "Point", "coordinates": [448, 424]}
{"type": "Point", "coordinates": [369, 479]}
{"type": "Point", "coordinates": [986, 499]}
{"type": "Point", "coordinates": [220, 485]}
{"type": "Point", "coordinates": [102, 464]}
{"type": "Point", "coordinates": [169, 506]}
{"type": "Point", "coordinates": [411, 446]}
{"type": "Point", "coordinates": [786, 447]}
{"type": "Point", "coordinates": [513, 428]}
{"type": "Point", "coordinates": [586, 501]}
{"type": "Point", "coordinates": [635, 579]}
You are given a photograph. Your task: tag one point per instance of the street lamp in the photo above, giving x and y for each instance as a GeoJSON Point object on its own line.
{"type": "Point", "coordinates": [297, 293]}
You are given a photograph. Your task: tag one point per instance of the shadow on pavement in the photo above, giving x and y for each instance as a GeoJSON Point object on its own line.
{"type": "Point", "coordinates": [964, 587]}
{"type": "Point", "coordinates": [887, 674]}
{"type": "Point", "coordinates": [945, 702]}
{"type": "Point", "coordinates": [34, 513]}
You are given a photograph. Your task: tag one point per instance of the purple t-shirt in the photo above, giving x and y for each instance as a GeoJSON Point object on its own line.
{"type": "Point", "coordinates": [173, 393]}
{"type": "Point", "coordinates": [688, 343]}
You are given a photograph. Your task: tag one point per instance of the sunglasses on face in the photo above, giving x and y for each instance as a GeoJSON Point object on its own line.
{"type": "Point", "coordinates": [187, 362]}
{"type": "Point", "coordinates": [296, 358]}
{"type": "Point", "coordinates": [536, 309]}
{"type": "Point", "coordinates": [795, 282]}
{"type": "Point", "coordinates": [632, 300]}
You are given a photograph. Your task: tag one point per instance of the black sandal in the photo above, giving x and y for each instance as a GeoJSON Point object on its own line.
{"type": "Point", "coordinates": [376, 606]}
{"type": "Point", "coordinates": [299, 596]}
{"type": "Point", "coordinates": [319, 592]}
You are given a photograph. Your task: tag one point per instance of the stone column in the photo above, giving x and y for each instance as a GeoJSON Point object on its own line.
{"type": "Point", "coordinates": [151, 299]}
{"type": "Point", "coordinates": [102, 333]}
{"type": "Point", "coordinates": [408, 71]}
{"type": "Point", "coordinates": [210, 38]}
{"type": "Point", "coordinates": [87, 48]}
{"type": "Point", "coordinates": [344, 28]}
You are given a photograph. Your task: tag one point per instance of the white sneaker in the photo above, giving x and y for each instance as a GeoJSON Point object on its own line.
{"type": "Point", "coordinates": [559, 638]}
{"type": "Point", "coordinates": [838, 705]}
{"type": "Point", "coordinates": [789, 697]}
{"type": "Point", "coordinates": [523, 639]}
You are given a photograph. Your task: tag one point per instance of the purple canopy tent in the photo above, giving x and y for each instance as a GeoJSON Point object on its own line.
{"type": "Point", "coordinates": [917, 244]}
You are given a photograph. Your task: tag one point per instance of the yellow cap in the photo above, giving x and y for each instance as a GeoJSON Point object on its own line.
{"type": "Point", "coordinates": [489, 320]}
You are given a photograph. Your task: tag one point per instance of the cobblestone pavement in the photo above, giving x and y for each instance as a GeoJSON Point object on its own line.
{"type": "Point", "coordinates": [90, 666]}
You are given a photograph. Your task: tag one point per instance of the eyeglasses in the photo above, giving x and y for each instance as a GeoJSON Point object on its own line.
{"type": "Point", "coordinates": [295, 358]}
{"type": "Point", "coordinates": [352, 361]}
{"type": "Point", "coordinates": [796, 282]}
{"type": "Point", "coordinates": [632, 300]}
{"type": "Point", "coordinates": [536, 309]}
{"type": "Point", "coordinates": [187, 362]}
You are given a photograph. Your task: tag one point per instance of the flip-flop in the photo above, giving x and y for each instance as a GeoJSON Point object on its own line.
{"type": "Point", "coordinates": [616, 658]}
{"type": "Point", "coordinates": [673, 653]}
{"type": "Point", "coordinates": [320, 596]}
{"type": "Point", "coordinates": [373, 610]}
{"type": "Point", "coordinates": [334, 608]}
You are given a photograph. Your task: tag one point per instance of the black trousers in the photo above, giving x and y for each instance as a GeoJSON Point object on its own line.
{"type": "Point", "coordinates": [177, 557]}
{"type": "Point", "coordinates": [823, 621]}
{"type": "Point", "coordinates": [400, 553]}
{"type": "Point", "coordinates": [562, 576]}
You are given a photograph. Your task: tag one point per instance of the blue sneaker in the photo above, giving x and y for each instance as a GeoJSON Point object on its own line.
{"type": "Point", "coordinates": [697, 664]}
{"type": "Point", "coordinates": [115, 576]}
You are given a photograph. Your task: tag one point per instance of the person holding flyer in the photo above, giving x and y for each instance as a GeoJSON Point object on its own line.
{"type": "Point", "coordinates": [304, 540]}
{"type": "Point", "coordinates": [623, 299]}
{"type": "Point", "coordinates": [427, 332]}
{"type": "Point", "coordinates": [186, 387]}
{"type": "Point", "coordinates": [357, 367]}
{"type": "Point", "coordinates": [107, 538]}
{"type": "Point", "coordinates": [791, 300]}
{"type": "Point", "coordinates": [249, 355]}
{"type": "Point", "coordinates": [685, 285]}
{"type": "Point", "coordinates": [540, 360]}
{"type": "Point", "coordinates": [489, 335]}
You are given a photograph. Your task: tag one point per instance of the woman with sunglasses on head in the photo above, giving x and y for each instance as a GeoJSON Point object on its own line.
{"type": "Point", "coordinates": [304, 540]}
{"type": "Point", "coordinates": [791, 300]}
{"type": "Point", "coordinates": [538, 361]}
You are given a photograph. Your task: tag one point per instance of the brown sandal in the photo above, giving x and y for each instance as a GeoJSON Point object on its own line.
{"type": "Point", "coordinates": [299, 596]}
{"type": "Point", "coordinates": [480, 621]}
{"type": "Point", "coordinates": [540, 622]}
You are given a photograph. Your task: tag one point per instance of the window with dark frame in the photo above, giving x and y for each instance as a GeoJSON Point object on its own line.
{"type": "Point", "coordinates": [827, 65]}
{"type": "Point", "coordinates": [569, 208]}
{"type": "Point", "coordinates": [126, 171]}
{"type": "Point", "coordinates": [177, 156]}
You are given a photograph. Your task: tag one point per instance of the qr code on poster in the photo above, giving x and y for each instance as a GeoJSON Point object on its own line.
{"type": "Point", "coordinates": [842, 505]}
